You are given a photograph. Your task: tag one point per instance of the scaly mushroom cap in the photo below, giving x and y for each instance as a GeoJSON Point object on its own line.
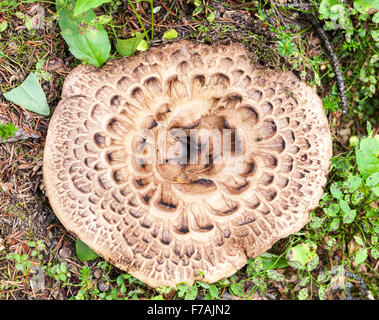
{"type": "Point", "coordinates": [120, 178]}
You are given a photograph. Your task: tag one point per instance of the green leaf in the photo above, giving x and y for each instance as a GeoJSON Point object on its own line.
{"type": "Point", "coordinates": [272, 261]}
{"type": "Point", "coordinates": [237, 289]}
{"type": "Point", "coordinates": [275, 275]}
{"type": "Point", "coordinates": [375, 253]}
{"type": "Point", "coordinates": [30, 96]}
{"type": "Point", "coordinates": [361, 255]}
{"type": "Point", "coordinates": [348, 217]}
{"type": "Point", "coordinates": [7, 131]}
{"type": "Point", "coordinates": [367, 156]}
{"type": "Point", "coordinates": [335, 190]}
{"type": "Point", "coordinates": [213, 291]}
{"type": "Point", "coordinates": [366, 6]}
{"type": "Point", "coordinates": [357, 197]}
{"type": "Point", "coordinates": [301, 254]}
{"type": "Point", "coordinates": [373, 180]}
{"type": "Point", "coordinates": [344, 206]}
{"type": "Point", "coordinates": [171, 34]}
{"type": "Point", "coordinates": [143, 45]}
{"type": "Point", "coordinates": [359, 241]}
{"type": "Point", "coordinates": [332, 210]}
{"type": "Point", "coordinates": [325, 7]}
{"type": "Point", "coordinates": [3, 26]}
{"type": "Point", "coordinates": [352, 183]}
{"type": "Point", "coordinates": [86, 42]}
{"type": "Point", "coordinates": [84, 5]}
{"type": "Point", "coordinates": [127, 47]}
{"type": "Point", "coordinates": [303, 294]}
{"type": "Point", "coordinates": [322, 293]}
{"type": "Point", "coordinates": [191, 294]}
{"type": "Point", "coordinates": [83, 252]}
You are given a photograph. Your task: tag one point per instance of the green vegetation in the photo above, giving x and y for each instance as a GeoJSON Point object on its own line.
{"type": "Point", "coordinates": [342, 235]}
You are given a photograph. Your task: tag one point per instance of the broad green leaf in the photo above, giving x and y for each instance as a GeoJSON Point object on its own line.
{"type": "Point", "coordinates": [335, 190]}
{"type": "Point", "coordinates": [271, 261]}
{"type": "Point", "coordinates": [303, 294]}
{"type": "Point", "coordinates": [89, 43]}
{"type": "Point", "coordinates": [352, 183]}
{"type": "Point", "coordinates": [357, 197]}
{"type": "Point", "coordinates": [237, 289]}
{"type": "Point", "coordinates": [301, 254]}
{"type": "Point", "coordinates": [127, 47]}
{"type": "Point", "coordinates": [359, 241]}
{"type": "Point", "coordinates": [375, 253]}
{"type": "Point", "coordinates": [344, 206]}
{"type": "Point", "coordinates": [373, 180]}
{"type": "Point", "coordinates": [366, 6]}
{"type": "Point", "coordinates": [367, 156]}
{"type": "Point", "coordinates": [83, 252]}
{"type": "Point", "coordinates": [213, 290]}
{"type": "Point", "coordinates": [143, 45]}
{"type": "Point", "coordinates": [84, 5]}
{"type": "Point", "coordinates": [361, 255]}
{"type": "Point", "coordinates": [191, 294]}
{"type": "Point", "coordinates": [322, 293]}
{"type": "Point", "coordinates": [3, 26]}
{"type": "Point", "coordinates": [332, 210]}
{"type": "Point", "coordinates": [325, 7]}
{"type": "Point", "coordinates": [30, 96]}
{"type": "Point", "coordinates": [171, 34]}
{"type": "Point", "coordinates": [275, 275]}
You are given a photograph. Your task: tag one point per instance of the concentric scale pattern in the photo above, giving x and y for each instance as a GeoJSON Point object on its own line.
{"type": "Point", "coordinates": [113, 182]}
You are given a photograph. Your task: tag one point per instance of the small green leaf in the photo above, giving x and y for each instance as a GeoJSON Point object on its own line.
{"type": "Point", "coordinates": [359, 241]}
{"type": "Point", "coordinates": [83, 252]}
{"type": "Point", "coordinates": [352, 183]}
{"type": "Point", "coordinates": [325, 7]}
{"type": "Point", "coordinates": [303, 294]}
{"type": "Point", "coordinates": [322, 293]}
{"type": "Point", "coordinates": [127, 47]}
{"type": "Point", "coordinates": [357, 197]}
{"type": "Point", "coordinates": [361, 255]}
{"type": "Point", "coordinates": [332, 210]}
{"type": "Point", "coordinates": [3, 26]}
{"type": "Point", "coordinates": [366, 6]}
{"type": "Point", "coordinates": [213, 291]}
{"type": "Point", "coordinates": [367, 156]}
{"type": "Point", "coordinates": [143, 45]}
{"type": "Point", "coordinates": [300, 255]}
{"type": "Point", "coordinates": [30, 96]}
{"type": "Point", "coordinates": [375, 253]}
{"type": "Point", "coordinates": [7, 131]}
{"type": "Point", "coordinates": [348, 217]}
{"type": "Point", "coordinates": [171, 34]}
{"type": "Point", "coordinates": [84, 5]}
{"type": "Point", "coordinates": [373, 180]}
{"type": "Point", "coordinates": [335, 190]}
{"type": "Point", "coordinates": [344, 206]}
{"type": "Point", "coordinates": [275, 275]}
{"type": "Point", "coordinates": [191, 294]}
{"type": "Point", "coordinates": [86, 42]}
{"type": "Point", "coordinates": [237, 289]}
{"type": "Point", "coordinates": [211, 17]}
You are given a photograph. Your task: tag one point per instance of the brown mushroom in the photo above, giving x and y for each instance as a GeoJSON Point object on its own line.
{"type": "Point", "coordinates": [148, 208]}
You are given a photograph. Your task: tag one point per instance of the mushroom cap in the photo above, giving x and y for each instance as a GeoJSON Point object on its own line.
{"type": "Point", "coordinates": [120, 178]}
